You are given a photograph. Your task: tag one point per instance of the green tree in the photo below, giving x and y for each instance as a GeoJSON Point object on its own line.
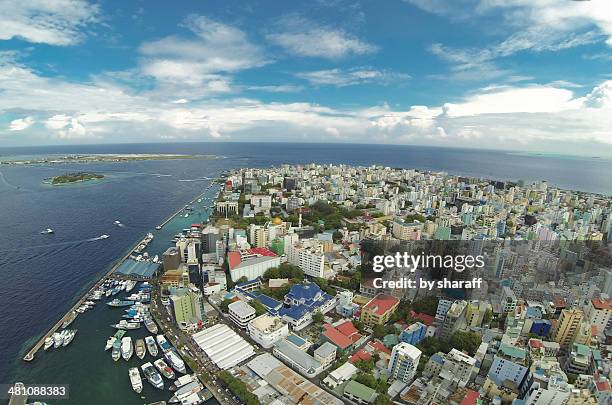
{"type": "Point", "coordinates": [317, 317]}
{"type": "Point", "coordinates": [225, 304]}
{"type": "Point", "coordinates": [378, 331]}
{"type": "Point", "coordinates": [465, 341]}
{"type": "Point", "coordinates": [260, 309]}
{"type": "Point", "coordinates": [427, 305]}
{"type": "Point", "coordinates": [382, 399]}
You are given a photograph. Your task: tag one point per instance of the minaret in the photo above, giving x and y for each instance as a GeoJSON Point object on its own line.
{"type": "Point", "coordinates": [300, 220]}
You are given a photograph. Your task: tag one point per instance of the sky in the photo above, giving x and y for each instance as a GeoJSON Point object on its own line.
{"type": "Point", "coordinates": [527, 75]}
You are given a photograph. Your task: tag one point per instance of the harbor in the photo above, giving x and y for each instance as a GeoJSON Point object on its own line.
{"type": "Point", "coordinates": [134, 267]}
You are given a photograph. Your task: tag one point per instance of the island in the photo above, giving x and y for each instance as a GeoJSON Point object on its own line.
{"type": "Point", "coordinates": [97, 158]}
{"type": "Point", "coordinates": [79, 177]}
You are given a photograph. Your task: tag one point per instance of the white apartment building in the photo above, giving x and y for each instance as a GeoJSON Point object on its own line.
{"type": "Point", "coordinates": [307, 254]}
{"type": "Point", "coordinates": [267, 330]}
{"type": "Point", "coordinates": [241, 313]}
{"type": "Point", "coordinates": [404, 362]}
{"type": "Point", "coordinates": [261, 203]}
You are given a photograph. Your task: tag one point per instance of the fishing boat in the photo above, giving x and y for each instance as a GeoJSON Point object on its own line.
{"type": "Point", "coordinates": [70, 334]}
{"type": "Point", "coordinates": [69, 319]}
{"type": "Point", "coordinates": [48, 343]}
{"type": "Point", "coordinates": [163, 343]}
{"type": "Point", "coordinates": [125, 325]}
{"type": "Point", "coordinates": [119, 303]}
{"type": "Point", "coordinates": [152, 376]}
{"type": "Point", "coordinates": [151, 346]}
{"type": "Point", "coordinates": [141, 349]}
{"type": "Point", "coordinates": [150, 325]}
{"type": "Point", "coordinates": [175, 361]}
{"type": "Point", "coordinates": [116, 353]}
{"type": "Point", "coordinates": [164, 368]}
{"type": "Point", "coordinates": [127, 348]}
{"type": "Point", "coordinates": [135, 380]}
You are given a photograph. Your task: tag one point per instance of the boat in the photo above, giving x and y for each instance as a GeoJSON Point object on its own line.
{"type": "Point", "coordinates": [185, 393]}
{"type": "Point", "coordinates": [109, 343]}
{"type": "Point", "coordinates": [125, 325]}
{"type": "Point", "coordinates": [118, 223]}
{"type": "Point", "coordinates": [183, 380]}
{"type": "Point", "coordinates": [127, 348]}
{"type": "Point", "coordinates": [150, 325]}
{"type": "Point", "coordinates": [104, 236]}
{"type": "Point", "coordinates": [141, 349]}
{"type": "Point", "coordinates": [163, 343]}
{"type": "Point", "coordinates": [151, 346]}
{"type": "Point", "coordinates": [119, 303]}
{"type": "Point", "coordinates": [135, 380]}
{"type": "Point", "coordinates": [47, 231]}
{"type": "Point", "coordinates": [116, 353]}
{"type": "Point", "coordinates": [70, 334]}
{"type": "Point", "coordinates": [164, 368]}
{"type": "Point", "coordinates": [152, 376]}
{"type": "Point", "coordinates": [48, 343]}
{"type": "Point", "coordinates": [175, 361]}
{"type": "Point", "coordinates": [58, 339]}
{"type": "Point", "coordinates": [68, 321]}
{"type": "Point", "coordinates": [158, 227]}
{"type": "Point", "coordinates": [130, 285]}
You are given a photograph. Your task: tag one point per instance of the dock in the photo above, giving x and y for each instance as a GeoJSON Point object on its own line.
{"type": "Point", "coordinates": [41, 342]}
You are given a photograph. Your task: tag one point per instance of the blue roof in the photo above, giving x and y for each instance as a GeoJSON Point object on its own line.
{"type": "Point", "coordinates": [306, 291]}
{"type": "Point", "coordinates": [437, 358]}
{"type": "Point", "coordinates": [502, 370]}
{"type": "Point", "coordinates": [269, 302]}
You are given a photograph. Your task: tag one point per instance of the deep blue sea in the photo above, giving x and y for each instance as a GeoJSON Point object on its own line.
{"type": "Point", "coordinates": [42, 275]}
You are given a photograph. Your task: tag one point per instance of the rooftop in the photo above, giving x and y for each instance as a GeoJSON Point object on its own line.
{"type": "Point", "coordinates": [382, 303]}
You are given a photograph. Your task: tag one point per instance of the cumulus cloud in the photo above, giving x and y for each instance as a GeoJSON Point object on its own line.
{"type": "Point", "coordinates": [21, 123]}
{"type": "Point", "coordinates": [302, 37]}
{"type": "Point", "coordinates": [57, 22]}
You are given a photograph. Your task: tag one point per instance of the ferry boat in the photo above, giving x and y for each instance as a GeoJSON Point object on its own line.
{"type": "Point", "coordinates": [150, 325]}
{"type": "Point", "coordinates": [164, 368]}
{"type": "Point", "coordinates": [141, 349]}
{"type": "Point", "coordinates": [116, 353]}
{"type": "Point", "coordinates": [127, 348]}
{"type": "Point", "coordinates": [135, 380]}
{"type": "Point", "coordinates": [151, 346]}
{"type": "Point", "coordinates": [48, 343]}
{"type": "Point", "coordinates": [119, 303]}
{"type": "Point", "coordinates": [163, 343]}
{"type": "Point", "coordinates": [175, 361]}
{"type": "Point", "coordinates": [152, 376]}
{"type": "Point", "coordinates": [125, 325]}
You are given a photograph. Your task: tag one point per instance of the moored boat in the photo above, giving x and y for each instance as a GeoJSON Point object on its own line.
{"type": "Point", "coordinates": [151, 346]}
{"type": "Point", "coordinates": [119, 303]}
{"type": "Point", "coordinates": [175, 361]}
{"type": "Point", "coordinates": [152, 376]}
{"type": "Point", "coordinates": [116, 353]}
{"type": "Point", "coordinates": [163, 343]}
{"type": "Point", "coordinates": [135, 380]}
{"type": "Point", "coordinates": [69, 319]}
{"type": "Point", "coordinates": [150, 325]}
{"type": "Point", "coordinates": [127, 348]}
{"type": "Point", "coordinates": [141, 349]}
{"type": "Point", "coordinates": [109, 343]}
{"type": "Point", "coordinates": [164, 368]}
{"type": "Point", "coordinates": [183, 380]}
{"type": "Point", "coordinates": [186, 392]}
{"type": "Point", "coordinates": [48, 343]}
{"type": "Point", "coordinates": [58, 339]}
{"type": "Point", "coordinates": [70, 334]}
{"type": "Point", "coordinates": [125, 325]}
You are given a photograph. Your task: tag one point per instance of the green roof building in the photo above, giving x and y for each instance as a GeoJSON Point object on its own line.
{"type": "Point", "coordinates": [359, 393]}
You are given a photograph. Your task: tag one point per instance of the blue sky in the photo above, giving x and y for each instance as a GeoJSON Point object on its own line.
{"type": "Point", "coordinates": [507, 74]}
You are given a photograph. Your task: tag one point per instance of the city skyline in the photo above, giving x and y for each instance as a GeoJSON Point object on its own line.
{"type": "Point", "coordinates": [513, 75]}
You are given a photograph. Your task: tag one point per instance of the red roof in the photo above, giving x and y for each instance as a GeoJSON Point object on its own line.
{"type": "Point", "coordinates": [360, 355]}
{"type": "Point", "coordinates": [426, 319]}
{"type": "Point", "coordinates": [559, 302]}
{"type": "Point", "coordinates": [535, 343]}
{"type": "Point", "coordinates": [603, 386]}
{"type": "Point", "coordinates": [602, 304]}
{"type": "Point", "coordinates": [378, 346]}
{"type": "Point", "coordinates": [347, 328]}
{"type": "Point", "coordinates": [470, 398]}
{"type": "Point", "coordinates": [336, 337]}
{"type": "Point", "coordinates": [261, 251]}
{"type": "Point", "coordinates": [382, 303]}
{"type": "Point", "coordinates": [234, 259]}
{"type": "Point", "coordinates": [195, 225]}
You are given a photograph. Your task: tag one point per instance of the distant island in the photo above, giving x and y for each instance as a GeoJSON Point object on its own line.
{"type": "Point", "coordinates": [75, 178]}
{"type": "Point", "coordinates": [99, 158]}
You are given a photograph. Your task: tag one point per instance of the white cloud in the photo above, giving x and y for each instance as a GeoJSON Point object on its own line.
{"type": "Point", "coordinates": [56, 22]}
{"type": "Point", "coordinates": [21, 124]}
{"type": "Point", "coordinates": [349, 77]}
{"type": "Point", "coordinates": [302, 37]}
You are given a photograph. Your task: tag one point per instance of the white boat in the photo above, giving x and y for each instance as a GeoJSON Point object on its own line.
{"type": "Point", "coordinates": [175, 361]}
{"type": "Point", "coordinates": [183, 380]}
{"type": "Point", "coordinates": [104, 236]}
{"type": "Point", "coordinates": [127, 348]}
{"type": "Point", "coordinates": [164, 369]}
{"type": "Point", "coordinates": [118, 223]}
{"type": "Point", "coordinates": [116, 353]}
{"type": "Point", "coordinates": [130, 285]}
{"type": "Point", "coordinates": [151, 346]}
{"type": "Point", "coordinates": [185, 394]}
{"type": "Point", "coordinates": [158, 227]}
{"type": "Point", "coordinates": [109, 342]}
{"type": "Point", "coordinates": [125, 325]}
{"type": "Point", "coordinates": [152, 376]}
{"type": "Point", "coordinates": [135, 380]}
{"type": "Point", "coordinates": [163, 343]}
{"type": "Point", "coordinates": [70, 334]}
{"type": "Point", "coordinates": [58, 339]}
{"type": "Point", "coordinates": [48, 343]}
{"type": "Point", "coordinates": [47, 231]}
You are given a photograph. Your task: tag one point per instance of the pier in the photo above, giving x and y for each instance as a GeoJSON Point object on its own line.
{"type": "Point", "coordinates": [41, 342]}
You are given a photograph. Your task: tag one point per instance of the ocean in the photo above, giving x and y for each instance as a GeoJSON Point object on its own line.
{"type": "Point", "coordinates": [43, 275]}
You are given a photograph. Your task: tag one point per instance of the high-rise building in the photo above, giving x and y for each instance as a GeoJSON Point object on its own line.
{"type": "Point", "coordinates": [171, 259]}
{"type": "Point", "coordinates": [210, 236]}
{"type": "Point", "coordinates": [567, 326]}
{"type": "Point", "coordinates": [404, 362]}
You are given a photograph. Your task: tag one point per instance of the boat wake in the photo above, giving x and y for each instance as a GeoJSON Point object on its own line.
{"type": "Point", "coordinates": [198, 179]}
{"type": "Point", "coordinates": [56, 244]}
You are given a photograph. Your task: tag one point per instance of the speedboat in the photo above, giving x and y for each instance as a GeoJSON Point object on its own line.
{"type": "Point", "coordinates": [116, 354]}
{"type": "Point", "coordinates": [104, 236]}
{"type": "Point", "coordinates": [164, 368]}
{"type": "Point", "coordinates": [47, 231]}
{"type": "Point", "coordinates": [158, 227]}
{"type": "Point", "coordinates": [151, 346]}
{"type": "Point", "coordinates": [150, 325]}
{"type": "Point", "coordinates": [135, 380]}
{"type": "Point", "coordinates": [163, 343]}
{"type": "Point", "coordinates": [48, 343]}
{"type": "Point", "coordinates": [127, 349]}
{"type": "Point", "coordinates": [175, 361]}
{"type": "Point", "coordinates": [141, 349]}
{"type": "Point", "coordinates": [110, 342]}
{"type": "Point", "coordinates": [118, 223]}
{"type": "Point", "coordinates": [152, 376]}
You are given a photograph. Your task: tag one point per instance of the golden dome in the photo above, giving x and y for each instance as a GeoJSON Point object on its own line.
{"type": "Point", "coordinates": [277, 221]}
